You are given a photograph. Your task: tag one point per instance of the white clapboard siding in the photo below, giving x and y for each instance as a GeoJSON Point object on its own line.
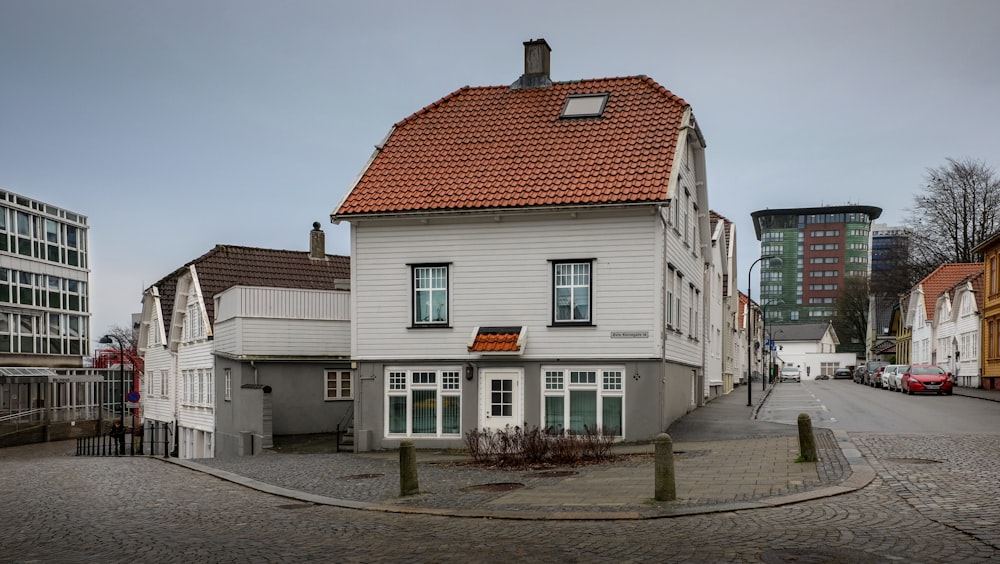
{"type": "Point", "coordinates": [501, 274]}
{"type": "Point", "coordinates": [283, 337]}
{"type": "Point", "coordinates": [157, 360]}
{"type": "Point", "coordinates": [282, 322]}
{"type": "Point", "coordinates": [192, 356]}
{"type": "Point", "coordinates": [282, 303]}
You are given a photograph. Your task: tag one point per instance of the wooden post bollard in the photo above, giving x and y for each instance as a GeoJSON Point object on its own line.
{"type": "Point", "coordinates": [807, 440]}
{"type": "Point", "coordinates": [666, 486]}
{"type": "Point", "coordinates": [408, 483]}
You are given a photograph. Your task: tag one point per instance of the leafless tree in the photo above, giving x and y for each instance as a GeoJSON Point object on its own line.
{"type": "Point", "coordinates": [958, 208]}
{"type": "Point", "coordinates": [850, 319]}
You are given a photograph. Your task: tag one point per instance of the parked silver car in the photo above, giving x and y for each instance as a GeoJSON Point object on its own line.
{"type": "Point", "coordinates": [791, 374]}
{"type": "Point", "coordinates": [891, 375]}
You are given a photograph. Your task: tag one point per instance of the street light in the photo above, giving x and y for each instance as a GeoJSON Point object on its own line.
{"type": "Point", "coordinates": [106, 340]}
{"type": "Point", "coordinates": [772, 258]}
{"type": "Point", "coordinates": [763, 330]}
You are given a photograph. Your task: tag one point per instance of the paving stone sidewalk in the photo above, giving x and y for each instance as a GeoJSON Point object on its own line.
{"type": "Point", "coordinates": [723, 461]}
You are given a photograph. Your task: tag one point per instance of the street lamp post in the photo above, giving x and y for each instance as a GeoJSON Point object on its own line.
{"type": "Point", "coordinates": [106, 340]}
{"type": "Point", "coordinates": [749, 332]}
{"type": "Point", "coordinates": [765, 375]}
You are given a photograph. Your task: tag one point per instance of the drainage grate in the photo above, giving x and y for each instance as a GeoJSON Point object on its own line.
{"type": "Point", "coordinates": [361, 476]}
{"type": "Point", "coordinates": [824, 440]}
{"type": "Point", "coordinates": [296, 506]}
{"type": "Point", "coordinates": [497, 487]}
{"type": "Point", "coordinates": [689, 453]}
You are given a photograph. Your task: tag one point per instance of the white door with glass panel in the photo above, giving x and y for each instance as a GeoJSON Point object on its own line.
{"type": "Point", "coordinates": [501, 398]}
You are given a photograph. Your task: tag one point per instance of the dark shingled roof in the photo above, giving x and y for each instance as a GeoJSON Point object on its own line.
{"type": "Point", "coordinates": [226, 266]}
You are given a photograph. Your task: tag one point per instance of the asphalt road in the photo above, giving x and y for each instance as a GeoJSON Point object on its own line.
{"type": "Point", "coordinates": [932, 501]}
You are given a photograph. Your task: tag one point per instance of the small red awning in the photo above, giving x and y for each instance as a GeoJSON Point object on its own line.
{"type": "Point", "coordinates": [501, 340]}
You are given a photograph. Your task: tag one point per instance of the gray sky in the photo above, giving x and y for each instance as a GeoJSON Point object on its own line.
{"type": "Point", "coordinates": [175, 126]}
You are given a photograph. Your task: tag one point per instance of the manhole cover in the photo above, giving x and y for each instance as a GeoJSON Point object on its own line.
{"type": "Point", "coordinates": [361, 476]}
{"type": "Point", "coordinates": [498, 487]}
{"type": "Point", "coordinates": [552, 474]}
{"type": "Point", "coordinates": [818, 556]}
{"type": "Point", "coordinates": [913, 461]}
{"type": "Point", "coordinates": [296, 506]}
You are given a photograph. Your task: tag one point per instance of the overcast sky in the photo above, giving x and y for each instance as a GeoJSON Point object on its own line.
{"type": "Point", "coordinates": [175, 126]}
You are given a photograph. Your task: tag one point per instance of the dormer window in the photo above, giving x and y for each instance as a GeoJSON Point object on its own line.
{"type": "Point", "coordinates": [585, 105]}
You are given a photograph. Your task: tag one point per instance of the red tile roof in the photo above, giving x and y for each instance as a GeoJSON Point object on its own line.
{"type": "Point", "coordinates": [496, 148]}
{"type": "Point", "coordinates": [943, 278]}
{"type": "Point", "coordinates": [226, 266]}
{"type": "Point", "coordinates": [497, 339]}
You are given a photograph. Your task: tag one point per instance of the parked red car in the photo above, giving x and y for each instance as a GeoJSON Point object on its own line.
{"type": "Point", "coordinates": [928, 378]}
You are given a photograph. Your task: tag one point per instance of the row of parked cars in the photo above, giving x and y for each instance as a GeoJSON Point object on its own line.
{"type": "Point", "coordinates": [907, 378]}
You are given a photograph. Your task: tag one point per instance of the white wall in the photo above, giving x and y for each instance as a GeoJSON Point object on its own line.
{"type": "Point", "coordinates": [501, 274]}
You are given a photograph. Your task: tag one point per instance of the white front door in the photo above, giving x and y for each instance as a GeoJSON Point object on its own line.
{"type": "Point", "coordinates": [501, 398]}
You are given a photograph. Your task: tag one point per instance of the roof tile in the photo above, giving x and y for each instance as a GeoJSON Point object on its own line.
{"type": "Point", "coordinates": [497, 147]}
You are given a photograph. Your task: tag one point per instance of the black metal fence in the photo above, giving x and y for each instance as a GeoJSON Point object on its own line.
{"type": "Point", "coordinates": [152, 439]}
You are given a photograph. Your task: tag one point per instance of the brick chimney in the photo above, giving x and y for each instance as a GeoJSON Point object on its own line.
{"type": "Point", "coordinates": [317, 243]}
{"type": "Point", "coordinates": [536, 66]}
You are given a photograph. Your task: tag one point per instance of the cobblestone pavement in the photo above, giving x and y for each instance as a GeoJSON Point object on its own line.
{"type": "Point", "coordinates": [61, 508]}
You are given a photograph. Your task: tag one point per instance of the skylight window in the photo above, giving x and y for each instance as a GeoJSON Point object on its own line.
{"type": "Point", "coordinates": [585, 105]}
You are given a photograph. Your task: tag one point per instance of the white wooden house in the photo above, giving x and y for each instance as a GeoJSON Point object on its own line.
{"type": "Point", "coordinates": [923, 306]}
{"type": "Point", "coordinates": [269, 319]}
{"type": "Point", "coordinates": [533, 254]}
{"type": "Point", "coordinates": [959, 330]}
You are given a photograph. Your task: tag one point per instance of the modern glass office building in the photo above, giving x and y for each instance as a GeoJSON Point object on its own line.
{"type": "Point", "coordinates": [820, 249]}
{"type": "Point", "coordinates": [44, 284]}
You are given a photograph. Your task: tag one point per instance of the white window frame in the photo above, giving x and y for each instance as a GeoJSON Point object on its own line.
{"type": "Point", "coordinates": [402, 381]}
{"type": "Point", "coordinates": [228, 384]}
{"type": "Point", "coordinates": [421, 274]}
{"type": "Point", "coordinates": [336, 392]}
{"type": "Point", "coordinates": [559, 381]}
{"type": "Point", "coordinates": [573, 280]}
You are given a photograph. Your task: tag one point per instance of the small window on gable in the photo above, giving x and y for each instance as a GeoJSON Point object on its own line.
{"type": "Point", "coordinates": [585, 105]}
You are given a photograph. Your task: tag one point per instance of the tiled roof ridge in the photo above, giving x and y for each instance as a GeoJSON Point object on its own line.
{"type": "Point", "coordinates": [220, 247]}
{"type": "Point", "coordinates": [940, 270]}
{"type": "Point", "coordinates": [436, 104]}
{"type": "Point", "coordinates": [449, 97]}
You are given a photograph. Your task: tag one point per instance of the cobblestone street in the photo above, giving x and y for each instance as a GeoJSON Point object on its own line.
{"type": "Point", "coordinates": [933, 501]}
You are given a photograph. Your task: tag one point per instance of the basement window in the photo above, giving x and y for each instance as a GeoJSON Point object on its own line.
{"type": "Point", "coordinates": [585, 105]}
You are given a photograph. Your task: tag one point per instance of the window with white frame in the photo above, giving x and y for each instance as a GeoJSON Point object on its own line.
{"type": "Point", "coordinates": [194, 326]}
{"type": "Point", "coordinates": [582, 399]}
{"type": "Point", "coordinates": [967, 305]}
{"type": "Point", "coordinates": [430, 295]}
{"type": "Point", "coordinates": [164, 383]}
{"type": "Point", "coordinates": [338, 385]}
{"type": "Point", "coordinates": [571, 289]}
{"type": "Point", "coordinates": [671, 273]}
{"type": "Point", "coordinates": [228, 384]}
{"type": "Point", "coordinates": [209, 387]}
{"type": "Point", "coordinates": [423, 402]}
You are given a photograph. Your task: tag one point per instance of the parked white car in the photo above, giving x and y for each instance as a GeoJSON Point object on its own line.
{"type": "Point", "coordinates": [896, 378]}
{"type": "Point", "coordinates": [888, 373]}
{"type": "Point", "coordinates": [791, 374]}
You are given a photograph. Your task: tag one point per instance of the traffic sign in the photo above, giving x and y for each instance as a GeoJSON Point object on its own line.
{"type": "Point", "coordinates": [132, 397]}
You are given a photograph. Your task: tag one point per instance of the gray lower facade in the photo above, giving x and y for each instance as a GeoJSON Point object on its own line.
{"type": "Point", "coordinates": [257, 400]}
{"type": "Point", "coordinates": [434, 403]}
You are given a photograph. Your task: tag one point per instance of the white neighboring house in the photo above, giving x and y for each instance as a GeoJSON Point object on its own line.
{"type": "Point", "coordinates": [958, 330]}
{"type": "Point", "coordinates": [721, 305]}
{"type": "Point", "coordinates": [530, 255]}
{"type": "Point", "coordinates": [176, 334]}
{"type": "Point", "coordinates": [923, 305]}
{"type": "Point", "coordinates": [812, 347]}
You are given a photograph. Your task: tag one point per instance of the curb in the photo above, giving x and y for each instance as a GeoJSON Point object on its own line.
{"type": "Point", "coordinates": [861, 475]}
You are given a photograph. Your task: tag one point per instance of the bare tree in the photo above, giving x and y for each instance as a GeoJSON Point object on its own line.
{"type": "Point", "coordinates": [958, 208]}
{"type": "Point", "coordinates": [850, 319]}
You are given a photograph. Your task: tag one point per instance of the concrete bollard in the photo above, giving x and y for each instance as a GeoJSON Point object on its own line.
{"type": "Point", "coordinates": [408, 483]}
{"type": "Point", "coordinates": [807, 440]}
{"type": "Point", "coordinates": [666, 487]}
